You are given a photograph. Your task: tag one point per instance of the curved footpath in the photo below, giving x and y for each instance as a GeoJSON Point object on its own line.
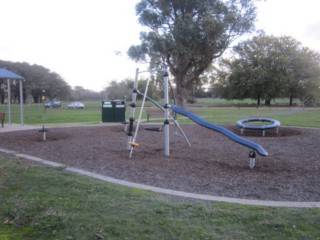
{"type": "Point", "coordinates": [147, 187]}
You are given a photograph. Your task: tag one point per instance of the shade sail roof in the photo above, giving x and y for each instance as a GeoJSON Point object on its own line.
{"type": "Point", "coordinates": [6, 74]}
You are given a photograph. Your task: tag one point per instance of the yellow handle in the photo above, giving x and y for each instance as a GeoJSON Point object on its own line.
{"type": "Point", "coordinates": [133, 144]}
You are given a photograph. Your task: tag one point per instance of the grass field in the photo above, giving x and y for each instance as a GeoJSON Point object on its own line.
{"type": "Point", "coordinates": [38, 202]}
{"type": "Point", "coordinates": [35, 114]}
{"type": "Point", "coordinates": [308, 117]}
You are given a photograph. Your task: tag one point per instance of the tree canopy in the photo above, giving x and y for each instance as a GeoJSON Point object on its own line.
{"type": "Point", "coordinates": [123, 89]}
{"type": "Point", "coordinates": [186, 35]}
{"type": "Point", "coordinates": [266, 67]}
{"type": "Point", "coordinates": [39, 81]}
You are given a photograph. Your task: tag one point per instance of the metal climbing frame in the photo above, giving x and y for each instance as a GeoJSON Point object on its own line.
{"type": "Point", "coordinates": [166, 109]}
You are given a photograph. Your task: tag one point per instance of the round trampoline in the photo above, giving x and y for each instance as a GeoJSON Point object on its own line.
{"type": "Point", "coordinates": [242, 124]}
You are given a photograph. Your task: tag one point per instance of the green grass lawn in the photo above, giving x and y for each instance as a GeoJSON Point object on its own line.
{"type": "Point", "coordinates": [308, 117]}
{"type": "Point", "coordinates": [38, 202]}
{"type": "Point", "coordinates": [35, 114]}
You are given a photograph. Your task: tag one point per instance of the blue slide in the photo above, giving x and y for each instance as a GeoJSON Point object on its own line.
{"type": "Point", "coordinates": [254, 146]}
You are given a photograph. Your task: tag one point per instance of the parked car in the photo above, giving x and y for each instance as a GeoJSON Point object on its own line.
{"type": "Point", "coordinates": [52, 104]}
{"type": "Point", "coordinates": [76, 105]}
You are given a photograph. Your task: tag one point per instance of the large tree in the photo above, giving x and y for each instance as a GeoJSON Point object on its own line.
{"type": "Point", "coordinates": [186, 35]}
{"type": "Point", "coordinates": [303, 75]}
{"type": "Point", "coordinates": [266, 67]}
{"type": "Point", "coordinates": [119, 90]}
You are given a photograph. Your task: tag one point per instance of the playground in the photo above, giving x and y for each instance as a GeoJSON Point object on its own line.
{"type": "Point", "coordinates": [213, 165]}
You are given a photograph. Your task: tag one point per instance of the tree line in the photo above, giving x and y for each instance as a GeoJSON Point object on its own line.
{"type": "Point", "coordinates": [39, 81]}
{"type": "Point", "coordinates": [41, 84]}
{"type": "Point", "coordinates": [268, 67]}
{"type": "Point", "coordinates": [261, 68]}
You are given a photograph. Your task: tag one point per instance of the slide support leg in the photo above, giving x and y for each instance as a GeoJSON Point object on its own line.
{"type": "Point", "coordinates": [252, 159]}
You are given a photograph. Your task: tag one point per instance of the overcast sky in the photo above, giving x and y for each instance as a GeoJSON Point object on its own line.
{"type": "Point", "coordinates": [78, 39]}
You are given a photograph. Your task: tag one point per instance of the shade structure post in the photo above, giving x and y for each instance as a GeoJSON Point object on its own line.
{"type": "Point", "coordinates": [11, 76]}
{"type": "Point", "coordinates": [9, 101]}
{"type": "Point", "coordinates": [21, 104]}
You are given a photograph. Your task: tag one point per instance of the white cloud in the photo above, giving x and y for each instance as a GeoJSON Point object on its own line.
{"type": "Point", "coordinates": [313, 30]}
{"type": "Point", "coordinates": [290, 17]}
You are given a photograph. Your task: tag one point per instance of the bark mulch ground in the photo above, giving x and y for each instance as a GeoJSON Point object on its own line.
{"type": "Point", "coordinates": [213, 165]}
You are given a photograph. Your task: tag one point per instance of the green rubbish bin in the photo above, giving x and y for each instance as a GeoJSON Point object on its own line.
{"type": "Point", "coordinates": [119, 107]}
{"type": "Point", "coordinates": [107, 111]}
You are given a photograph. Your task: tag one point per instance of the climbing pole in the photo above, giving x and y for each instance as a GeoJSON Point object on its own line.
{"type": "Point", "coordinates": [132, 109]}
{"type": "Point", "coordinates": [166, 113]}
{"type": "Point", "coordinates": [133, 143]}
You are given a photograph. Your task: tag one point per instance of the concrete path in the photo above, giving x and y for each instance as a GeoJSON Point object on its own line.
{"type": "Point", "coordinates": [17, 127]}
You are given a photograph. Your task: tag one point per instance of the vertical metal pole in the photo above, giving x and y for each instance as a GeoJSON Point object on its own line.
{"type": "Point", "coordinates": [9, 101]}
{"type": "Point", "coordinates": [166, 113]}
{"type": "Point", "coordinates": [132, 109]}
{"type": "Point", "coordinates": [21, 104]}
{"type": "Point", "coordinates": [139, 119]}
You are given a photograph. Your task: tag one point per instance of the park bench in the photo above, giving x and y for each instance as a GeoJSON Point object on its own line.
{"type": "Point", "coordinates": [2, 117]}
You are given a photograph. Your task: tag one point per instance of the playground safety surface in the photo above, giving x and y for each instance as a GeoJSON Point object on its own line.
{"type": "Point", "coordinates": [214, 164]}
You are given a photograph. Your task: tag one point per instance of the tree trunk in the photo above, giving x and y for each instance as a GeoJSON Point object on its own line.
{"type": "Point", "coordinates": [267, 102]}
{"type": "Point", "coordinates": [184, 89]}
{"type": "Point", "coordinates": [291, 100]}
{"type": "Point", "coordinates": [181, 91]}
{"type": "Point", "coordinates": [191, 96]}
{"type": "Point", "coordinates": [35, 98]}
